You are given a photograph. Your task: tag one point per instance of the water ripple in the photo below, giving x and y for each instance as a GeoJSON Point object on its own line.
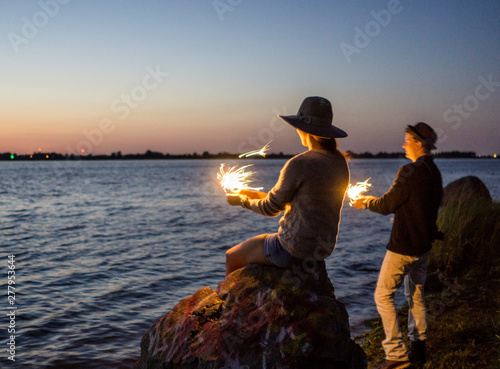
{"type": "Point", "coordinates": [103, 249]}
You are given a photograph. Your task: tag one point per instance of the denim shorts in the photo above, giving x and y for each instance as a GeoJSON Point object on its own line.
{"type": "Point", "coordinates": [276, 254]}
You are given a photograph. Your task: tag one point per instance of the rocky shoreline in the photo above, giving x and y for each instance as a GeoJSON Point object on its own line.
{"type": "Point", "coordinates": [267, 317]}
{"type": "Point", "coordinates": [258, 317]}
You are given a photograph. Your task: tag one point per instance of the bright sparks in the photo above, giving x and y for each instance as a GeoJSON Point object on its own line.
{"type": "Point", "coordinates": [261, 152]}
{"type": "Point", "coordinates": [235, 179]}
{"type": "Point", "coordinates": [355, 192]}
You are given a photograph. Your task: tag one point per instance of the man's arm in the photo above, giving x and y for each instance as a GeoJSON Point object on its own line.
{"type": "Point", "coordinates": [391, 200]}
{"type": "Point", "coordinates": [360, 203]}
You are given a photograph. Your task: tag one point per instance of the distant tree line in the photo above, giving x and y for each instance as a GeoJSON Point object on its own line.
{"type": "Point", "coordinates": [151, 155]}
{"type": "Point", "coordinates": [456, 154]}
{"type": "Point", "coordinates": [397, 155]}
{"type": "Point", "coordinates": [380, 155]}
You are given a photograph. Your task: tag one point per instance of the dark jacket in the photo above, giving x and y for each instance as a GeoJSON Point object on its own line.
{"type": "Point", "coordinates": [414, 198]}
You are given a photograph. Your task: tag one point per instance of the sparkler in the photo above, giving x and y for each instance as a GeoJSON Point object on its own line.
{"type": "Point", "coordinates": [261, 152]}
{"type": "Point", "coordinates": [235, 179]}
{"type": "Point", "coordinates": [355, 192]}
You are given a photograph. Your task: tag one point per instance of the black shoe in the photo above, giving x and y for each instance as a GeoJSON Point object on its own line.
{"type": "Point", "coordinates": [417, 351]}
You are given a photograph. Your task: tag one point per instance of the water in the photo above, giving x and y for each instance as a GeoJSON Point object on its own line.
{"type": "Point", "coordinates": [103, 249]}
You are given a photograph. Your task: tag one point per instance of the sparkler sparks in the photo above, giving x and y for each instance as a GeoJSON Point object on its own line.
{"type": "Point", "coordinates": [261, 152]}
{"type": "Point", "coordinates": [355, 192]}
{"type": "Point", "coordinates": [235, 179]}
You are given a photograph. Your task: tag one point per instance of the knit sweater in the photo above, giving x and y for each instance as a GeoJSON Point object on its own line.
{"type": "Point", "coordinates": [414, 198]}
{"type": "Point", "coordinates": [310, 191]}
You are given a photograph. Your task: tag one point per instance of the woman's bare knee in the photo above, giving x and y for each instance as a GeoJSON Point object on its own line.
{"type": "Point", "coordinates": [232, 262]}
{"type": "Point", "coordinates": [247, 252]}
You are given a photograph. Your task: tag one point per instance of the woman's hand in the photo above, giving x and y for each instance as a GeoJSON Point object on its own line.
{"type": "Point", "coordinates": [233, 199]}
{"type": "Point", "coordinates": [252, 194]}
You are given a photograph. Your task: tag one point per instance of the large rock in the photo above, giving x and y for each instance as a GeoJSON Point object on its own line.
{"type": "Point", "coordinates": [258, 317]}
{"type": "Point", "coordinates": [469, 221]}
{"type": "Point", "coordinates": [465, 189]}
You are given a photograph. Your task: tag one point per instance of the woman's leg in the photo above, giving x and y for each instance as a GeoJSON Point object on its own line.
{"type": "Point", "coordinates": [247, 252]}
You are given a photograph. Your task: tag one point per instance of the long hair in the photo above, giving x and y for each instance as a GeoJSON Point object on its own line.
{"type": "Point", "coordinates": [330, 145]}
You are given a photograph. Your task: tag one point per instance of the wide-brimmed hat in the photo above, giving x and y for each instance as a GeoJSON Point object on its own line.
{"type": "Point", "coordinates": [423, 133]}
{"type": "Point", "coordinates": [315, 116]}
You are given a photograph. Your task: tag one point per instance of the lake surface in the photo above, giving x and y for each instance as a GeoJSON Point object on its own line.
{"type": "Point", "coordinates": [104, 248]}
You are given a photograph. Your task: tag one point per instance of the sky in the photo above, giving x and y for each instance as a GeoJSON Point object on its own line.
{"type": "Point", "coordinates": [179, 76]}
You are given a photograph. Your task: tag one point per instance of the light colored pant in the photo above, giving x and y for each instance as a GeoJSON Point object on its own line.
{"type": "Point", "coordinates": [395, 270]}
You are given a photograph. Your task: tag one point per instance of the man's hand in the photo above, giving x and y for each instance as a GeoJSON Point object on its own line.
{"type": "Point", "coordinates": [360, 203]}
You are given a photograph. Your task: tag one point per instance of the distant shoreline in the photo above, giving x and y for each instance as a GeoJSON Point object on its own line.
{"type": "Point", "coordinates": [150, 155]}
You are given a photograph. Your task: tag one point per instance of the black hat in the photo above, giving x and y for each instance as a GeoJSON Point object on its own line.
{"type": "Point", "coordinates": [423, 133]}
{"type": "Point", "coordinates": [315, 116]}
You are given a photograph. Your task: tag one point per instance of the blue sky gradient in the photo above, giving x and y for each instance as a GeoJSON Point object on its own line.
{"type": "Point", "coordinates": [194, 76]}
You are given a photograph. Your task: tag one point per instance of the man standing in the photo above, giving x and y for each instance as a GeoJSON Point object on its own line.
{"type": "Point", "coordinates": [414, 198]}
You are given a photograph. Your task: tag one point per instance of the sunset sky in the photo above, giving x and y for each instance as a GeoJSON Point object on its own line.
{"type": "Point", "coordinates": [203, 75]}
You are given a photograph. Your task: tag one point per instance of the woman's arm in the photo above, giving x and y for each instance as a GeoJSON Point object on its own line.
{"type": "Point", "coordinates": [235, 199]}
{"type": "Point", "coordinates": [252, 194]}
{"type": "Point", "coordinates": [273, 203]}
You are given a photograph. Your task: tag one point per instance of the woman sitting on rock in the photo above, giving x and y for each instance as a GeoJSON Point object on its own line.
{"type": "Point", "coordinates": [310, 191]}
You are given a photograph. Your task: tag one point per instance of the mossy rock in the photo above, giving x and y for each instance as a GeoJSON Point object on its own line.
{"type": "Point", "coordinates": [259, 316]}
